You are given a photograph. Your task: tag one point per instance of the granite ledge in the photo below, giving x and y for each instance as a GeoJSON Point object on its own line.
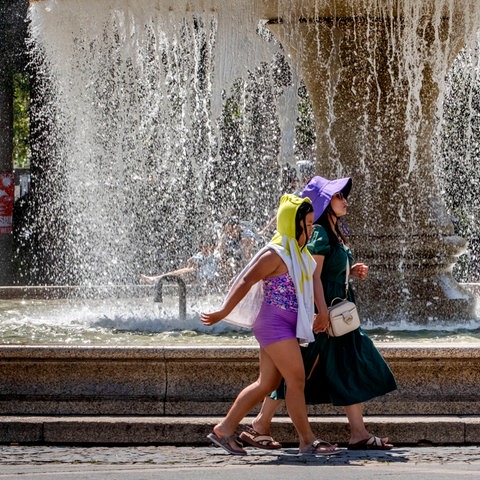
{"type": "Point", "coordinates": [248, 352]}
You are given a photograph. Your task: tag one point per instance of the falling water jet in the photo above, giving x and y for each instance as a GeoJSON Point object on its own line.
{"type": "Point", "coordinates": [124, 106]}
{"type": "Point", "coordinates": [375, 71]}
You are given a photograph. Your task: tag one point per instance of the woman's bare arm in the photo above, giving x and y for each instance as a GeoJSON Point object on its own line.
{"type": "Point", "coordinates": [267, 265]}
{"type": "Point", "coordinates": [320, 323]}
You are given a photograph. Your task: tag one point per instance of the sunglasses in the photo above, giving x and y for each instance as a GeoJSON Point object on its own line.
{"type": "Point", "coordinates": [339, 196]}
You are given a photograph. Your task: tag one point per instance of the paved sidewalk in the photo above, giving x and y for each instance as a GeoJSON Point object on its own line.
{"type": "Point", "coordinates": [186, 463]}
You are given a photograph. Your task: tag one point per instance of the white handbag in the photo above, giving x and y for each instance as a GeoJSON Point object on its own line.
{"type": "Point", "coordinates": [343, 315]}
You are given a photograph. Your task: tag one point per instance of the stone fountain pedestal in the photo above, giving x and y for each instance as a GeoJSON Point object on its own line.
{"type": "Point", "coordinates": [375, 72]}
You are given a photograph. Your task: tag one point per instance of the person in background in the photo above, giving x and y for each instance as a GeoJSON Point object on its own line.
{"type": "Point", "coordinates": [275, 294]}
{"type": "Point", "coordinates": [217, 261]}
{"type": "Point", "coordinates": [201, 267]}
{"type": "Point", "coordinates": [305, 172]}
{"type": "Point", "coordinates": [348, 370]}
{"type": "Point", "coordinates": [235, 247]}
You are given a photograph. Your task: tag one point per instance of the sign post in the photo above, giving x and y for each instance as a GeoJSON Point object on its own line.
{"type": "Point", "coordinates": [7, 183]}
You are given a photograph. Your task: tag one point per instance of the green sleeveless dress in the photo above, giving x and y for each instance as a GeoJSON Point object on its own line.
{"type": "Point", "coordinates": [340, 370]}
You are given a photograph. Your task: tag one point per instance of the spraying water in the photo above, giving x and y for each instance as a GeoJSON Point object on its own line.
{"type": "Point", "coordinates": [157, 123]}
{"type": "Point", "coordinates": [148, 153]}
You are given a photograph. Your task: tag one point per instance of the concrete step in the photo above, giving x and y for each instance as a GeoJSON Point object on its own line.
{"type": "Point", "coordinates": [191, 430]}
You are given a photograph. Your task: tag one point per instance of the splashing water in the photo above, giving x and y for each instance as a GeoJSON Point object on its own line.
{"type": "Point", "coordinates": [157, 124]}
{"type": "Point", "coordinates": [141, 160]}
{"type": "Point", "coordinates": [138, 321]}
{"type": "Point", "coordinates": [458, 150]}
{"type": "Point", "coordinates": [153, 126]}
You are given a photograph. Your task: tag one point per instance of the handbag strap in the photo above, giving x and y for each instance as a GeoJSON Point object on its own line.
{"type": "Point", "coordinates": [347, 272]}
{"type": "Point", "coordinates": [346, 283]}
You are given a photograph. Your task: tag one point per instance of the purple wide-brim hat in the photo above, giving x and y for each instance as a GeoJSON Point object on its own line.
{"type": "Point", "coordinates": [321, 190]}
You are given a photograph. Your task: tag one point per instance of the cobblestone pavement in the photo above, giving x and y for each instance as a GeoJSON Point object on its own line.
{"type": "Point", "coordinates": [137, 462]}
{"type": "Point", "coordinates": [171, 456]}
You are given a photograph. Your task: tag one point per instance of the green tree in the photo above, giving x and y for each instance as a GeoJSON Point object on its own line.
{"type": "Point", "coordinates": [21, 121]}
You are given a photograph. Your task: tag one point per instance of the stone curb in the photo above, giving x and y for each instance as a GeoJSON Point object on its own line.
{"type": "Point", "coordinates": [180, 431]}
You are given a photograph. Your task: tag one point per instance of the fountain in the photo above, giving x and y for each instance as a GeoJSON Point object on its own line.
{"type": "Point", "coordinates": [375, 73]}
{"type": "Point", "coordinates": [375, 69]}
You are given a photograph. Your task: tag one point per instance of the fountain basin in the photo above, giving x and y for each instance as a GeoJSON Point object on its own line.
{"type": "Point", "coordinates": [128, 316]}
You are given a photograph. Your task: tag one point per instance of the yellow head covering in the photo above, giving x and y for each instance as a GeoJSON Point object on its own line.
{"type": "Point", "coordinates": [286, 215]}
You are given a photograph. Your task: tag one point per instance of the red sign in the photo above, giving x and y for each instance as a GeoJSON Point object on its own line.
{"type": "Point", "coordinates": [7, 195]}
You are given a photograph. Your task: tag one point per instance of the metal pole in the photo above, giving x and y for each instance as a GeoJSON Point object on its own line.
{"type": "Point", "coordinates": [182, 293]}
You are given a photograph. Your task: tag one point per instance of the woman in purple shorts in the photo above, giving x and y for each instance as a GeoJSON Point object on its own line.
{"type": "Point", "coordinates": [275, 294]}
{"type": "Point", "coordinates": [277, 319]}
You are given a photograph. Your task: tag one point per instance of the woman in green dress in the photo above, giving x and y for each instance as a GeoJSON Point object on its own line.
{"type": "Point", "coordinates": [344, 371]}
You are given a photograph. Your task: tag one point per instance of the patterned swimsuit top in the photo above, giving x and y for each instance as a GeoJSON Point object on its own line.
{"type": "Point", "coordinates": [280, 292]}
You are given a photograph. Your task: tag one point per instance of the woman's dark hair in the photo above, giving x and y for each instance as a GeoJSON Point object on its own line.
{"type": "Point", "coordinates": [333, 236]}
{"type": "Point", "coordinates": [300, 219]}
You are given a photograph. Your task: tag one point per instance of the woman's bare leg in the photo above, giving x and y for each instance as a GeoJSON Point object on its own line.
{"type": "Point", "coordinates": [287, 358]}
{"type": "Point", "coordinates": [262, 422]}
{"type": "Point", "coordinates": [358, 431]}
{"type": "Point", "coordinates": [149, 280]}
{"type": "Point", "coordinates": [250, 396]}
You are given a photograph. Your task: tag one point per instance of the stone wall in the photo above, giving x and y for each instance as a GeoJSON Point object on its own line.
{"type": "Point", "coordinates": [182, 381]}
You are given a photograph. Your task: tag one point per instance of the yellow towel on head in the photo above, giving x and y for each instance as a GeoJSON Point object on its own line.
{"type": "Point", "coordinates": [300, 266]}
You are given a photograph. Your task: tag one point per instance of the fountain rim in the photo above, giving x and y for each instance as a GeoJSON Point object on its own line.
{"type": "Point", "coordinates": [54, 292]}
{"type": "Point", "coordinates": [207, 353]}
{"type": "Point", "coordinates": [299, 10]}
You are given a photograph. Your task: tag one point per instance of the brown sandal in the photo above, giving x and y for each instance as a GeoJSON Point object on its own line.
{"type": "Point", "coordinates": [326, 448]}
{"type": "Point", "coordinates": [224, 442]}
{"type": "Point", "coordinates": [257, 440]}
{"type": "Point", "coordinates": [372, 443]}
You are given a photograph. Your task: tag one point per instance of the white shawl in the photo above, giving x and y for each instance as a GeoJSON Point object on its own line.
{"type": "Point", "coordinates": [300, 267]}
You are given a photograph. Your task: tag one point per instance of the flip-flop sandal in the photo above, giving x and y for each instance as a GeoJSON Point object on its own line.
{"type": "Point", "coordinates": [313, 448]}
{"type": "Point", "coordinates": [257, 440]}
{"type": "Point", "coordinates": [225, 444]}
{"type": "Point", "coordinates": [372, 443]}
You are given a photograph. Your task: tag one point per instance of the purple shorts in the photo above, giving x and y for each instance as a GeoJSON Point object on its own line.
{"type": "Point", "coordinates": [274, 324]}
